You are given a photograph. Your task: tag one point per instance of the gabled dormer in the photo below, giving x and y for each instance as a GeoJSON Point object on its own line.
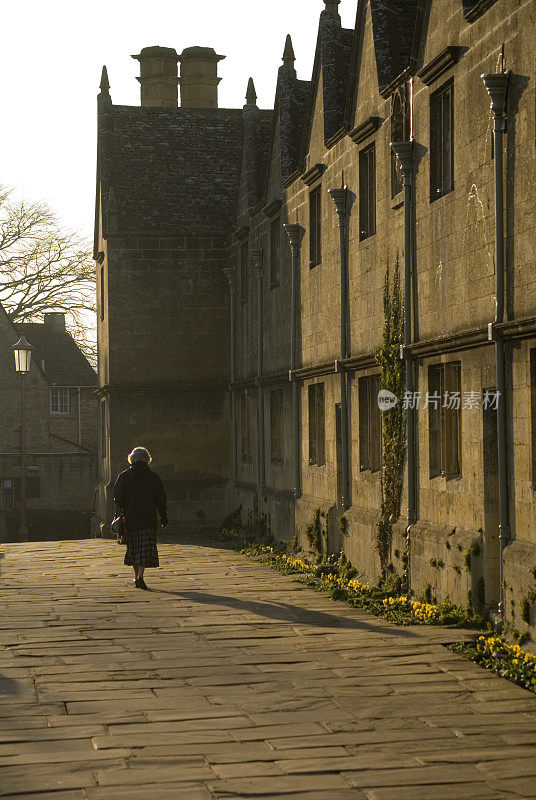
{"type": "Point", "coordinates": [397, 26]}
{"type": "Point", "coordinates": [329, 84]}
{"type": "Point", "coordinates": [257, 133]}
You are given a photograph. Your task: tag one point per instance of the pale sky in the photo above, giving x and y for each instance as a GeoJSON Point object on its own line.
{"type": "Point", "coordinates": [51, 57]}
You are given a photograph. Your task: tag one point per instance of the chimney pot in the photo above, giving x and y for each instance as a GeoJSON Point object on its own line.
{"type": "Point", "coordinates": [158, 76]}
{"type": "Point", "coordinates": [199, 77]}
{"type": "Point", "coordinates": [55, 321]}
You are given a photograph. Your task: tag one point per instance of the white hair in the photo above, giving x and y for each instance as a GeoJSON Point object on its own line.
{"type": "Point", "coordinates": [139, 454]}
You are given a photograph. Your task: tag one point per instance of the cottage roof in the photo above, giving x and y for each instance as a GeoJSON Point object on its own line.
{"type": "Point", "coordinates": [65, 364]}
{"type": "Point", "coordinates": [168, 170]}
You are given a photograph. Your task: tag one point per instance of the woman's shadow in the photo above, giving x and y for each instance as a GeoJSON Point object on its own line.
{"type": "Point", "coordinates": [285, 612]}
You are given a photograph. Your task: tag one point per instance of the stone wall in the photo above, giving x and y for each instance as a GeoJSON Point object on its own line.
{"type": "Point", "coordinates": [167, 364]}
{"type": "Point", "coordinates": [454, 546]}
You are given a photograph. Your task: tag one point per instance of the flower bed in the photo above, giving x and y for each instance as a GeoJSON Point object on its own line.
{"type": "Point", "coordinates": [508, 661]}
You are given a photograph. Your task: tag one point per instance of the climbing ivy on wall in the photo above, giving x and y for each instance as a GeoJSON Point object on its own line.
{"type": "Point", "coordinates": [393, 378]}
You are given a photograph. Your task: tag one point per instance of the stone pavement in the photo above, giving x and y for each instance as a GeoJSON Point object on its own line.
{"type": "Point", "coordinates": [229, 680]}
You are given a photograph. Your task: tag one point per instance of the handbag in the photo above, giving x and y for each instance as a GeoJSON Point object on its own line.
{"type": "Point", "coordinates": [119, 527]}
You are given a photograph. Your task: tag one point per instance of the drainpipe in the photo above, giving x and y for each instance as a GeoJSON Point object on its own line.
{"type": "Point", "coordinates": [294, 233]}
{"type": "Point", "coordinates": [256, 256]}
{"type": "Point", "coordinates": [231, 277]}
{"type": "Point", "coordinates": [497, 85]}
{"type": "Point", "coordinates": [339, 197]}
{"type": "Point", "coordinates": [404, 153]}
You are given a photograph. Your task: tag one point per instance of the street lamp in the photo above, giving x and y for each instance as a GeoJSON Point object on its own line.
{"type": "Point", "coordinates": [23, 355]}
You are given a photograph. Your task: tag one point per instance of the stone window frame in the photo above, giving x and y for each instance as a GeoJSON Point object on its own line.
{"type": "Point", "coordinates": [317, 425]}
{"type": "Point", "coordinates": [444, 424]}
{"type": "Point", "coordinates": [367, 192]}
{"type": "Point", "coordinates": [442, 141]}
{"type": "Point", "coordinates": [277, 425]}
{"type": "Point", "coordinates": [315, 226]}
{"type": "Point", "coordinates": [370, 423]}
{"type": "Point", "coordinates": [60, 401]}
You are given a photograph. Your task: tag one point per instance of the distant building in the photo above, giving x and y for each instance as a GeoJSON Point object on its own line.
{"type": "Point", "coordinates": [61, 425]}
{"type": "Point", "coordinates": [186, 193]}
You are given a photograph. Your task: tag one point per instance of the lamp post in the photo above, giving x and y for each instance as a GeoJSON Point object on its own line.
{"type": "Point", "coordinates": [23, 354]}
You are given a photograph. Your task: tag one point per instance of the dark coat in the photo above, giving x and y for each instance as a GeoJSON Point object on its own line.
{"type": "Point", "coordinates": [139, 493]}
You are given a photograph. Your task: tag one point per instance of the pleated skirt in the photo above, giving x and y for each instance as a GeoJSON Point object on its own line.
{"type": "Point", "coordinates": [141, 549]}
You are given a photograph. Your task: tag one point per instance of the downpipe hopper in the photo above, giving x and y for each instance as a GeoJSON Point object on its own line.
{"type": "Point", "coordinates": [404, 153]}
{"type": "Point", "coordinates": [294, 233]}
{"type": "Point", "coordinates": [230, 274]}
{"type": "Point", "coordinates": [339, 197]}
{"type": "Point", "coordinates": [496, 84]}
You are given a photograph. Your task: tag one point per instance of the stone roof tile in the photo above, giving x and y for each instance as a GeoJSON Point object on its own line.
{"type": "Point", "coordinates": [171, 170]}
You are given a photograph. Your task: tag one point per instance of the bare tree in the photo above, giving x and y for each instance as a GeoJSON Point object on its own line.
{"type": "Point", "coordinates": [44, 268]}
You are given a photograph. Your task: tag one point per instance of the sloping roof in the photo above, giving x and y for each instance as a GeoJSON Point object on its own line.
{"type": "Point", "coordinates": [257, 133]}
{"type": "Point", "coordinates": [65, 364]}
{"type": "Point", "coordinates": [333, 56]}
{"type": "Point", "coordinates": [169, 170]}
{"type": "Point", "coordinates": [396, 28]}
{"type": "Point", "coordinates": [293, 113]}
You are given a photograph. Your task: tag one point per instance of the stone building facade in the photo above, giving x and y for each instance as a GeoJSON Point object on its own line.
{"type": "Point", "coordinates": [61, 433]}
{"type": "Point", "coordinates": [301, 212]}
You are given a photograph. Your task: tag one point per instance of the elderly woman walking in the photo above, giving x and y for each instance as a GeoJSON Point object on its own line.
{"type": "Point", "coordinates": [139, 493]}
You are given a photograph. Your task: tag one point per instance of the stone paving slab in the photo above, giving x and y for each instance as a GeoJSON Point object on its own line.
{"type": "Point", "coordinates": [228, 680]}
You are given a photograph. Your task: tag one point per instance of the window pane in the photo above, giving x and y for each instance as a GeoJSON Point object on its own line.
{"type": "Point", "coordinates": [367, 192]}
{"type": "Point", "coordinates": [320, 433]}
{"type": "Point", "coordinates": [372, 191]}
{"type": "Point", "coordinates": [375, 424]}
{"type": "Point", "coordinates": [441, 142]}
{"type": "Point", "coordinates": [59, 400]}
{"type": "Point", "coordinates": [312, 425]}
{"type": "Point", "coordinates": [446, 182]}
{"type": "Point", "coordinates": [434, 419]}
{"type": "Point", "coordinates": [364, 453]}
{"type": "Point", "coordinates": [314, 227]}
{"type": "Point", "coordinates": [452, 421]}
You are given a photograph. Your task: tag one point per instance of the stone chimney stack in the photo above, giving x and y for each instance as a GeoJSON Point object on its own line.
{"type": "Point", "coordinates": [55, 321]}
{"type": "Point", "coordinates": [199, 77]}
{"type": "Point", "coordinates": [158, 76]}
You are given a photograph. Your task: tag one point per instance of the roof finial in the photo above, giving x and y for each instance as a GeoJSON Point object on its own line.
{"type": "Point", "coordinates": [251, 94]}
{"type": "Point", "coordinates": [104, 84]}
{"type": "Point", "coordinates": [288, 54]}
{"type": "Point", "coordinates": [332, 6]}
